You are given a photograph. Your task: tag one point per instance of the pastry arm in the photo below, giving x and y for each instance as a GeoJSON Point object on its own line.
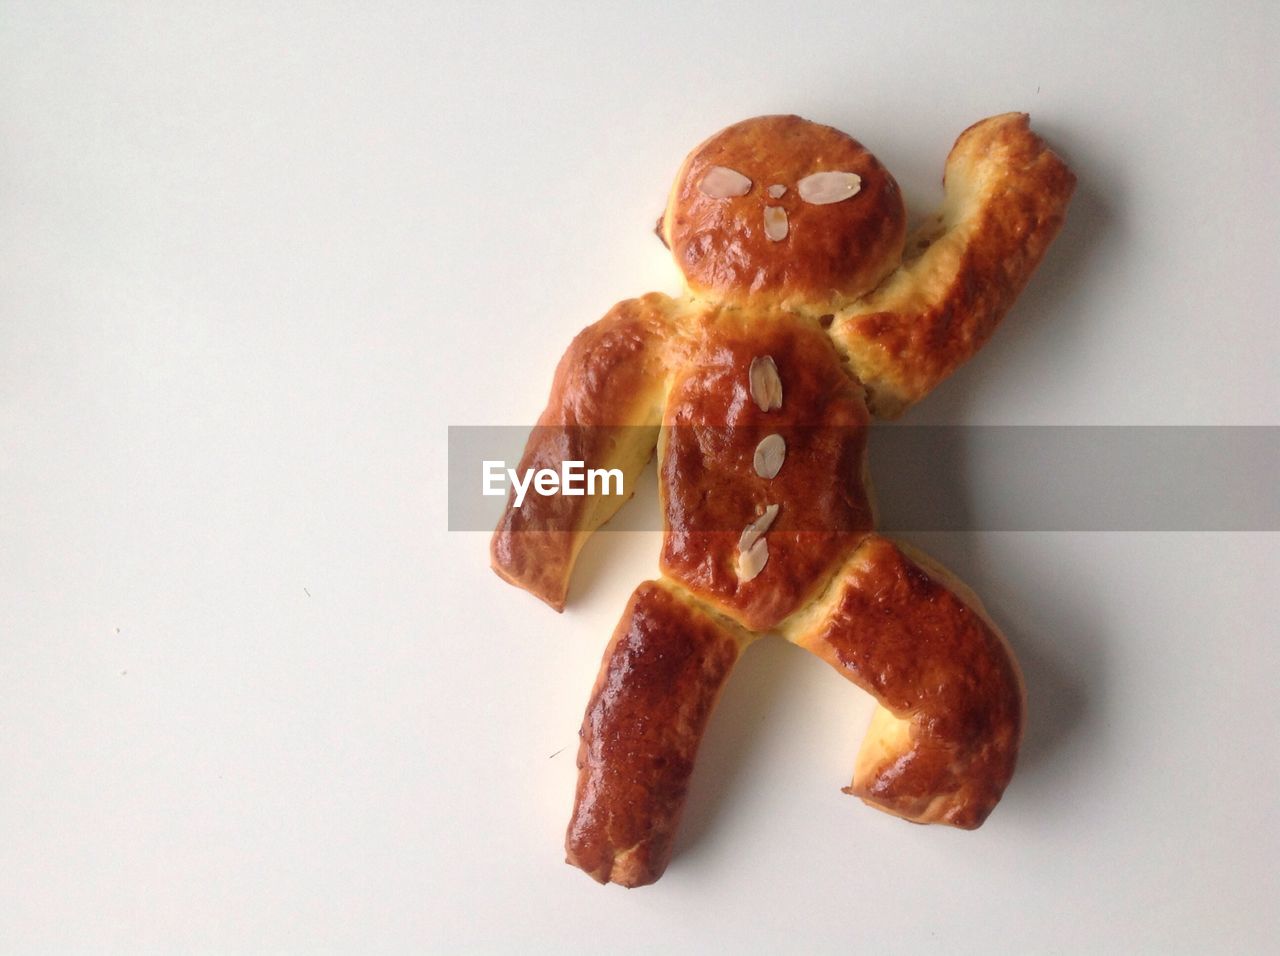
{"type": "Point", "coordinates": [605, 409]}
{"type": "Point", "coordinates": [1006, 197]}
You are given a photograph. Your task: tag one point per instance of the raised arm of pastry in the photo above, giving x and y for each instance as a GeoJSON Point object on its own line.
{"type": "Point", "coordinates": [1006, 196]}
{"type": "Point", "coordinates": [605, 410]}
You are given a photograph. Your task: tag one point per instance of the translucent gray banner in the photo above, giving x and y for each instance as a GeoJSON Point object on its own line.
{"type": "Point", "coordinates": [974, 478]}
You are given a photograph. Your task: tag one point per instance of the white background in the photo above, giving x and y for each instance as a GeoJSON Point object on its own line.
{"type": "Point", "coordinates": [254, 695]}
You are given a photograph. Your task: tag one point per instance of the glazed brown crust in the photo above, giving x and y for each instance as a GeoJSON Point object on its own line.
{"type": "Point", "coordinates": [1006, 198]}
{"type": "Point", "coordinates": [711, 491]}
{"type": "Point", "coordinates": [915, 640]}
{"type": "Point", "coordinates": [944, 741]}
{"type": "Point", "coordinates": [604, 409]}
{"type": "Point", "coordinates": [659, 681]}
{"type": "Point", "coordinates": [842, 249]}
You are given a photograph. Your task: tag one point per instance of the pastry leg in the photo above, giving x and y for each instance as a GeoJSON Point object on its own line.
{"type": "Point", "coordinates": [660, 679]}
{"type": "Point", "coordinates": [944, 739]}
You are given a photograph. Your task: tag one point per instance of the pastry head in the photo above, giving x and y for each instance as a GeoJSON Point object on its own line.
{"type": "Point", "coordinates": [779, 210]}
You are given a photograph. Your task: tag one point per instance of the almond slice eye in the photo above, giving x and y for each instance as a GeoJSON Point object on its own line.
{"type": "Point", "coordinates": [721, 182]}
{"type": "Point", "coordinates": [822, 189]}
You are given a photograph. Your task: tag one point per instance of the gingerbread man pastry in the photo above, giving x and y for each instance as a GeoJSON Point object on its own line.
{"type": "Point", "coordinates": [807, 311]}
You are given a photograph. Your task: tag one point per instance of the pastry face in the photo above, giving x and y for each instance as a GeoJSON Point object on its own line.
{"type": "Point", "coordinates": [780, 209]}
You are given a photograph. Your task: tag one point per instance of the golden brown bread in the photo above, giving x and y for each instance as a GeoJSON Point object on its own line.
{"type": "Point", "coordinates": [944, 740]}
{"type": "Point", "coordinates": [710, 489]}
{"type": "Point", "coordinates": [755, 387]}
{"type": "Point", "coordinates": [832, 252]}
{"type": "Point", "coordinates": [659, 681]}
{"type": "Point", "coordinates": [605, 408]}
{"type": "Point", "coordinates": [1006, 197]}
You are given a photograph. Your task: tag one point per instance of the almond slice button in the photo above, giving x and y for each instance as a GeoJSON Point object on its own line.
{"type": "Point", "coordinates": [769, 456]}
{"type": "Point", "coordinates": [754, 531]}
{"type": "Point", "coordinates": [752, 561]}
{"type": "Point", "coordinates": [766, 386]}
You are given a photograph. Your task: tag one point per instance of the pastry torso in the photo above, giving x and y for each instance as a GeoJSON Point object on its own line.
{"type": "Point", "coordinates": [711, 486]}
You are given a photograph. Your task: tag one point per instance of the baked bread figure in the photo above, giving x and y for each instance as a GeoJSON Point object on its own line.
{"type": "Point", "coordinates": [807, 310]}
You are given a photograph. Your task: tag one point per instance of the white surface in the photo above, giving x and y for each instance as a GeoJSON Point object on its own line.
{"type": "Point", "coordinates": [254, 696]}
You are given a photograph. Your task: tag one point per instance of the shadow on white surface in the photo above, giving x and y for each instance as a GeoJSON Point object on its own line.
{"type": "Point", "coordinates": [767, 682]}
{"type": "Point", "coordinates": [1057, 634]}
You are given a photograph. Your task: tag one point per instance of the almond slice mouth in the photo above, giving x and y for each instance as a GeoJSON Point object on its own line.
{"type": "Point", "coordinates": [822, 189]}
{"type": "Point", "coordinates": [769, 456]}
{"type": "Point", "coordinates": [766, 385]}
{"type": "Point", "coordinates": [775, 223]}
{"type": "Point", "coordinates": [721, 182]}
